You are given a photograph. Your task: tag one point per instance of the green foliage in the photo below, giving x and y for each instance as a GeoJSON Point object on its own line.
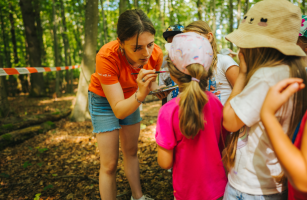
{"type": "Point", "coordinates": [54, 175]}
{"type": "Point", "coordinates": [4, 175]}
{"type": "Point", "coordinates": [43, 150]}
{"type": "Point", "coordinates": [7, 126]}
{"type": "Point", "coordinates": [48, 187]}
{"type": "Point", "coordinates": [7, 136]}
{"type": "Point", "coordinates": [26, 164]}
{"type": "Point", "coordinates": [143, 126]}
{"type": "Point", "coordinates": [40, 164]}
{"type": "Point", "coordinates": [37, 196]}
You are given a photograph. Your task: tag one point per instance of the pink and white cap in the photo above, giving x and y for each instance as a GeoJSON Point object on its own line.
{"type": "Point", "coordinates": [188, 48]}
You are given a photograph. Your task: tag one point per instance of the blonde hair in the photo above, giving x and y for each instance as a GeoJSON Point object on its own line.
{"type": "Point", "coordinates": [255, 59]}
{"type": "Point", "coordinates": [203, 28]}
{"type": "Point", "coordinates": [192, 97]}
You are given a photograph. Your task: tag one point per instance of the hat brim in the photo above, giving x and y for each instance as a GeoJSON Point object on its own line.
{"type": "Point", "coordinates": [244, 39]}
{"type": "Point", "coordinates": [167, 34]}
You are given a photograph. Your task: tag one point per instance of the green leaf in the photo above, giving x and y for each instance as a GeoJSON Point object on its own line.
{"type": "Point", "coordinates": [4, 175]}
{"type": "Point", "coordinates": [26, 164]}
{"type": "Point", "coordinates": [56, 113]}
{"type": "Point", "coordinates": [40, 164]}
{"type": "Point", "coordinates": [54, 175]}
{"type": "Point", "coordinates": [37, 196]}
{"type": "Point", "coordinates": [143, 126]}
{"type": "Point", "coordinates": [30, 148]}
{"type": "Point", "coordinates": [43, 150]}
{"type": "Point", "coordinates": [48, 186]}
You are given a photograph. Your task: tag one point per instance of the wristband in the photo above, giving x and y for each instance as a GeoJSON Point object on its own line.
{"type": "Point", "coordinates": [137, 99]}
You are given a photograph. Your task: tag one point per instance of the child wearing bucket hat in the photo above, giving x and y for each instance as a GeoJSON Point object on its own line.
{"type": "Point", "coordinates": [164, 78]}
{"type": "Point", "coordinates": [267, 39]}
{"type": "Point", "coordinates": [289, 155]}
{"type": "Point", "coordinates": [225, 69]}
{"type": "Point", "coordinates": [189, 127]}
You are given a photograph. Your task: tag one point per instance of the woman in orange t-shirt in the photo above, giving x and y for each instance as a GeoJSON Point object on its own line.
{"type": "Point", "coordinates": [115, 96]}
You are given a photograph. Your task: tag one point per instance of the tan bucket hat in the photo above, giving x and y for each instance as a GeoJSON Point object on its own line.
{"type": "Point", "coordinates": [270, 23]}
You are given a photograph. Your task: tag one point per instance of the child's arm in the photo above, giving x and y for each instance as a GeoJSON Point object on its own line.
{"type": "Point", "coordinates": [293, 160]}
{"type": "Point", "coordinates": [165, 158]}
{"type": "Point", "coordinates": [231, 121]}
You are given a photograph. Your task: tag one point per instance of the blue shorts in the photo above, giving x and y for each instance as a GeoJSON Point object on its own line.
{"type": "Point", "coordinates": [233, 194]}
{"type": "Point", "coordinates": [103, 118]}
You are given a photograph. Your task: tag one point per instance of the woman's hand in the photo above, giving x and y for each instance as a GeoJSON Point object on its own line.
{"type": "Point", "coordinates": [242, 66]}
{"type": "Point", "coordinates": [280, 94]}
{"type": "Point", "coordinates": [144, 80]}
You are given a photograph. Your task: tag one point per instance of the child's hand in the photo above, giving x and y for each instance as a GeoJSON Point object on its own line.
{"type": "Point", "coordinates": [242, 66]}
{"type": "Point", "coordinates": [280, 93]}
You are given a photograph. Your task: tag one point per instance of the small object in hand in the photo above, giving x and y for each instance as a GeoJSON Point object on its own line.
{"type": "Point", "coordinates": [143, 80]}
{"type": "Point", "coordinates": [158, 72]}
{"type": "Point", "coordinates": [164, 89]}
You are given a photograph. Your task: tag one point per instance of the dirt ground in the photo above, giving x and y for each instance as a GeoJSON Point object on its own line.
{"type": "Point", "coordinates": [64, 162]}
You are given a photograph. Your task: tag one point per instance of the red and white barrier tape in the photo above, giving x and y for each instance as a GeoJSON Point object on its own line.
{"type": "Point", "coordinates": [30, 70]}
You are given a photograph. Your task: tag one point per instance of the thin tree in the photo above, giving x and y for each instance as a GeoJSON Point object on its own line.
{"type": "Point", "coordinates": [136, 3]}
{"type": "Point", "coordinates": [34, 48]}
{"type": "Point", "coordinates": [231, 20]}
{"type": "Point", "coordinates": [69, 73]}
{"type": "Point", "coordinates": [104, 20]}
{"type": "Point", "coordinates": [80, 111]}
{"type": "Point", "coordinates": [238, 13]}
{"type": "Point", "coordinates": [4, 104]}
{"type": "Point", "coordinates": [122, 6]}
{"type": "Point", "coordinates": [199, 9]}
{"type": "Point", "coordinates": [213, 16]}
{"type": "Point", "coordinates": [55, 49]}
{"type": "Point", "coordinates": [303, 7]}
{"type": "Point", "coordinates": [247, 6]}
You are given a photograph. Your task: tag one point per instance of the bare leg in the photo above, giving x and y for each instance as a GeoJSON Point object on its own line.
{"type": "Point", "coordinates": [129, 135]}
{"type": "Point", "coordinates": [108, 151]}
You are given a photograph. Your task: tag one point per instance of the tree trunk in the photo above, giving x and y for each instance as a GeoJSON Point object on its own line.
{"type": "Point", "coordinates": [171, 13]}
{"type": "Point", "coordinates": [247, 6]}
{"type": "Point", "coordinates": [80, 111]}
{"type": "Point", "coordinates": [199, 9]}
{"type": "Point", "coordinates": [231, 20]}
{"type": "Point", "coordinates": [122, 6]}
{"type": "Point", "coordinates": [239, 13]}
{"type": "Point", "coordinates": [4, 104]}
{"type": "Point", "coordinates": [7, 55]}
{"type": "Point", "coordinates": [34, 48]}
{"type": "Point", "coordinates": [39, 29]}
{"type": "Point", "coordinates": [213, 17]}
{"type": "Point", "coordinates": [105, 28]}
{"type": "Point", "coordinates": [12, 22]}
{"type": "Point", "coordinates": [136, 4]}
{"type": "Point", "coordinates": [66, 51]}
{"type": "Point", "coordinates": [55, 49]}
{"type": "Point", "coordinates": [303, 7]}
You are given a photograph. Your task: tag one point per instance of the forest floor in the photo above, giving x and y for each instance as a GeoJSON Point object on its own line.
{"type": "Point", "coordinates": [63, 163]}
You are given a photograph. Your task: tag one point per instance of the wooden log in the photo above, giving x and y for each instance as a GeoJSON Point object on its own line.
{"type": "Point", "coordinates": [21, 135]}
{"type": "Point", "coordinates": [6, 128]}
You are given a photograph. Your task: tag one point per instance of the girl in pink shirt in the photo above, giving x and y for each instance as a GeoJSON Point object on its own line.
{"type": "Point", "coordinates": [189, 126]}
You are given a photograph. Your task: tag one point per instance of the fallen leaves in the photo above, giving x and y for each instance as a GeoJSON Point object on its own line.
{"type": "Point", "coordinates": [64, 164]}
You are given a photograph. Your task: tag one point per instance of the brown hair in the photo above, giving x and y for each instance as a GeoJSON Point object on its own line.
{"type": "Point", "coordinates": [302, 42]}
{"type": "Point", "coordinates": [257, 58]}
{"type": "Point", "coordinates": [203, 28]}
{"type": "Point", "coordinates": [192, 97]}
{"type": "Point", "coordinates": [133, 22]}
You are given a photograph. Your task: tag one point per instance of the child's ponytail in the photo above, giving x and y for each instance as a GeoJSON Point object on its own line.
{"type": "Point", "coordinates": [192, 98]}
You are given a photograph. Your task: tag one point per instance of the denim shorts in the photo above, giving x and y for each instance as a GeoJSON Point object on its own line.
{"type": "Point", "coordinates": [103, 118]}
{"type": "Point", "coordinates": [233, 194]}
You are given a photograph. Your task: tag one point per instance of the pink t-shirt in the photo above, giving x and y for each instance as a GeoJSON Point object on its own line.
{"type": "Point", "coordinates": [198, 172]}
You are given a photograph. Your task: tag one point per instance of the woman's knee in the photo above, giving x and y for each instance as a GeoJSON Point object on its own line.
{"type": "Point", "coordinates": [108, 168]}
{"type": "Point", "coordinates": [132, 151]}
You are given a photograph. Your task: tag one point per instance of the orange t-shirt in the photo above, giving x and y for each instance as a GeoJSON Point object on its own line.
{"type": "Point", "coordinates": [112, 67]}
